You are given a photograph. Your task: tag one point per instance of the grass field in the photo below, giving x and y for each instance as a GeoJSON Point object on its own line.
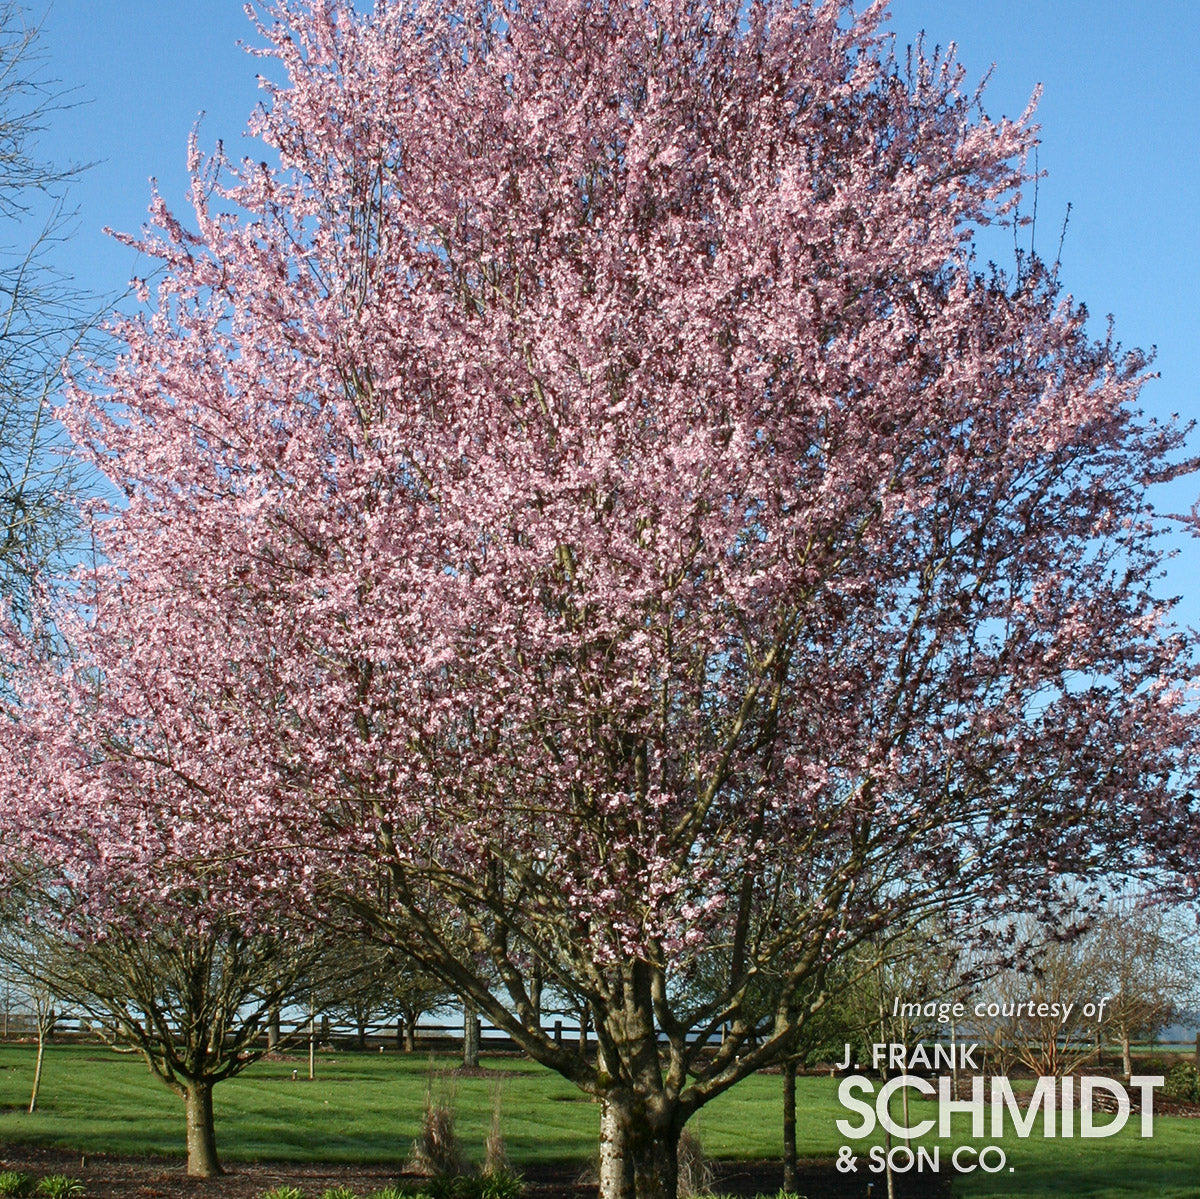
{"type": "Point", "coordinates": [366, 1107]}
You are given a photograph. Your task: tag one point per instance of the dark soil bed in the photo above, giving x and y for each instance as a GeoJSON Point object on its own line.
{"type": "Point", "coordinates": [107, 1177]}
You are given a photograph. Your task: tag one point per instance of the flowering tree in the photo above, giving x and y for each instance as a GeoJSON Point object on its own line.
{"type": "Point", "coordinates": [192, 1001]}
{"type": "Point", "coordinates": [114, 807]}
{"type": "Point", "coordinates": [618, 533]}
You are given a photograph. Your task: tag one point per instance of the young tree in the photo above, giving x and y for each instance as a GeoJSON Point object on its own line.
{"type": "Point", "coordinates": [624, 526]}
{"type": "Point", "coordinates": [40, 1007]}
{"type": "Point", "coordinates": [117, 900]}
{"type": "Point", "coordinates": [192, 1000]}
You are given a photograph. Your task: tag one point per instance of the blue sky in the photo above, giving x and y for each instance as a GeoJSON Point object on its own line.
{"type": "Point", "coordinates": [1120, 118]}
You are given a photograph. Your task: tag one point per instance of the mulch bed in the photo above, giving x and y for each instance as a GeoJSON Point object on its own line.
{"type": "Point", "coordinates": [111, 1177]}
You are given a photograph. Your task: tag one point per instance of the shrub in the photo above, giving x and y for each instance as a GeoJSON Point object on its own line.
{"type": "Point", "coordinates": [59, 1186]}
{"type": "Point", "coordinates": [338, 1192]}
{"type": "Point", "coordinates": [498, 1184]}
{"type": "Point", "coordinates": [781, 1194]}
{"type": "Point", "coordinates": [1183, 1082]}
{"type": "Point", "coordinates": [393, 1192]}
{"type": "Point", "coordinates": [283, 1193]}
{"type": "Point", "coordinates": [14, 1185]}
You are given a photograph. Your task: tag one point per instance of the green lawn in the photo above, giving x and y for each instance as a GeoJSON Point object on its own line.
{"type": "Point", "coordinates": [1166, 1165]}
{"type": "Point", "coordinates": [366, 1107]}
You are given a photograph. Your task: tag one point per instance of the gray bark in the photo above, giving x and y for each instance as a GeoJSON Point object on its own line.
{"type": "Point", "coordinates": [789, 1126]}
{"type": "Point", "coordinates": [470, 1036]}
{"type": "Point", "coordinates": [201, 1132]}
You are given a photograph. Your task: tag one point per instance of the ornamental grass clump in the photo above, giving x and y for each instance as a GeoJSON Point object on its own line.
{"type": "Point", "coordinates": [495, 1152]}
{"type": "Point", "coordinates": [502, 1183]}
{"type": "Point", "coordinates": [436, 1153]}
{"type": "Point", "coordinates": [696, 1174]}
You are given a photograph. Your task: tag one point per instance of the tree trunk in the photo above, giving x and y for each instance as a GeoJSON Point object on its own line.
{"type": "Point", "coordinates": [470, 1036]}
{"type": "Point", "coordinates": [535, 993]}
{"type": "Point", "coordinates": [201, 1132]}
{"type": "Point", "coordinates": [273, 1030]}
{"type": "Point", "coordinates": [37, 1069]}
{"type": "Point", "coordinates": [789, 1126]}
{"type": "Point", "coordinates": [954, 1058]}
{"type": "Point", "coordinates": [655, 1163]}
{"type": "Point", "coordinates": [616, 1165]}
{"type": "Point", "coordinates": [1126, 1054]}
{"type": "Point", "coordinates": [887, 1164]}
{"type": "Point", "coordinates": [409, 1024]}
{"type": "Point", "coordinates": [637, 1159]}
{"type": "Point", "coordinates": [360, 1034]}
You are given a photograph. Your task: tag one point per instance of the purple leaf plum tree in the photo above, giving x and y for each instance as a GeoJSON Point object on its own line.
{"type": "Point", "coordinates": [615, 530]}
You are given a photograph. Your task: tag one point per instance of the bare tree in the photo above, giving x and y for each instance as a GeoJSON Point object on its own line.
{"type": "Point", "coordinates": [1146, 960]}
{"type": "Point", "coordinates": [41, 318]}
{"type": "Point", "coordinates": [45, 1016]}
{"type": "Point", "coordinates": [1120, 970]}
{"type": "Point", "coordinates": [8, 1000]}
{"type": "Point", "coordinates": [1039, 1008]}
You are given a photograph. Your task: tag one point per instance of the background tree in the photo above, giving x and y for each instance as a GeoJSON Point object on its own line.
{"type": "Point", "coordinates": [1133, 953]}
{"type": "Point", "coordinates": [417, 993]}
{"type": "Point", "coordinates": [605, 515]}
{"type": "Point", "coordinates": [370, 986]}
{"type": "Point", "coordinates": [10, 999]}
{"type": "Point", "coordinates": [822, 1037]}
{"type": "Point", "coordinates": [41, 318]}
{"type": "Point", "coordinates": [37, 1005]}
{"type": "Point", "coordinates": [124, 907]}
{"type": "Point", "coordinates": [1144, 955]}
{"type": "Point", "coordinates": [1055, 963]}
{"type": "Point", "coordinates": [193, 998]}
